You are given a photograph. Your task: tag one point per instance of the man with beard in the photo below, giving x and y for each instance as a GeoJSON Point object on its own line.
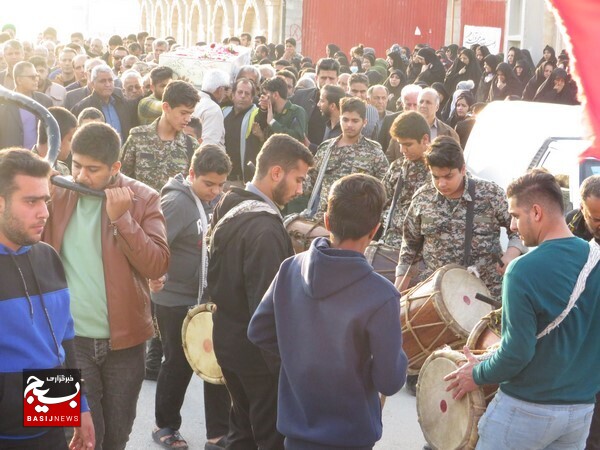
{"type": "Point", "coordinates": [585, 223]}
{"type": "Point", "coordinates": [248, 244]}
{"type": "Point", "coordinates": [37, 327]}
{"type": "Point", "coordinates": [329, 105]}
{"type": "Point", "coordinates": [548, 362]}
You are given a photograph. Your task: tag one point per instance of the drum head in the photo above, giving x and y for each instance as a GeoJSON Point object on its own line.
{"type": "Point", "coordinates": [447, 424]}
{"type": "Point", "coordinates": [458, 288]}
{"type": "Point", "coordinates": [197, 341]}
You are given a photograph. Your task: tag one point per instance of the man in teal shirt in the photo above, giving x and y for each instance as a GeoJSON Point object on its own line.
{"type": "Point", "coordinates": [548, 377]}
{"type": "Point", "coordinates": [282, 116]}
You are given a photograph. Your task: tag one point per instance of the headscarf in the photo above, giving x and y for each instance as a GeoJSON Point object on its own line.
{"type": "Point", "coordinates": [552, 57]}
{"type": "Point", "coordinates": [472, 71]}
{"type": "Point", "coordinates": [394, 91]}
{"type": "Point", "coordinates": [547, 94]}
{"type": "Point", "coordinates": [526, 74]}
{"type": "Point", "coordinates": [469, 99]}
{"type": "Point", "coordinates": [513, 85]}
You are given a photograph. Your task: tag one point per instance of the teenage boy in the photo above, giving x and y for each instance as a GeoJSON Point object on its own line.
{"type": "Point", "coordinates": [186, 204]}
{"type": "Point", "coordinates": [154, 153]}
{"type": "Point", "coordinates": [339, 337]}
{"type": "Point", "coordinates": [110, 248]}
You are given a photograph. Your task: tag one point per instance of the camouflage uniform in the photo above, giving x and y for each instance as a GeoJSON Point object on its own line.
{"type": "Point", "coordinates": [151, 160]}
{"type": "Point", "coordinates": [365, 156]}
{"type": "Point", "coordinates": [414, 174]}
{"type": "Point", "coordinates": [434, 231]}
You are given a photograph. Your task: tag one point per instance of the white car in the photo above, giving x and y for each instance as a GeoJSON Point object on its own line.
{"type": "Point", "coordinates": [510, 138]}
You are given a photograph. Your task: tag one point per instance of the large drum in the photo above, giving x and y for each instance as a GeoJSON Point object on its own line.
{"type": "Point", "coordinates": [196, 335]}
{"type": "Point", "coordinates": [442, 310]}
{"type": "Point", "coordinates": [303, 231]}
{"type": "Point", "coordinates": [383, 258]}
{"type": "Point", "coordinates": [447, 424]}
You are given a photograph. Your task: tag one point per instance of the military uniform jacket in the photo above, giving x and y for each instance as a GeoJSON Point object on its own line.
{"type": "Point", "coordinates": [414, 174]}
{"type": "Point", "coordinates": [147, 158]}
{"type": "Point", "coordinates": [434, 230]}
{"type": "Point", "coordinates": [365, 156]}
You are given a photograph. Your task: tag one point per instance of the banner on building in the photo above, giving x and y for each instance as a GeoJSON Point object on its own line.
{"type": "Point", "coordinates": [488, 36]}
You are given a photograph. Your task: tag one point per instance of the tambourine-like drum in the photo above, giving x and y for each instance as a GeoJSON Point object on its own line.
{"type": "Point", "coordinates": [447, 424]}
{"type": "Point", "coordinates": [383, 258]}
{"type": "Point", "coordinates": [303, 231]}
{"type": "Point", "coordinates": [442, 310]}
{"type": "Point", "coordinates": [196, 335]}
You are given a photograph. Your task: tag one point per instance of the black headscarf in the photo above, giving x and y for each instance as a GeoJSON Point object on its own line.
{"type": "Point", "coordinates": [435, 71]}
{"type": "Point", "coordinates": [526, 74]}
{"type": "Point", "coordinates": [394, 91]}
{"type": "Point", "coordinates": [472, 71]}
{"type": "Point", "coordinates": [552, 59]}
{"type": "Point", "coordinates": [518, 55]}
{"type": "Point", "coordinates": [467, 97]}
{"type": "Point", "coordinates": [483, 90]}
{"type": "Point", "coordinates": [513, 85]}
{"type": "Point", "coordinates": [547, 94]}
{"type": "Point", "coordinates": [535, 82]}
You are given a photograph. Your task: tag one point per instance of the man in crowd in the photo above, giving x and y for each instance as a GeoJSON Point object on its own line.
{"type": "Point", "coordinates": [409, 96]}
{"type": "Point", "coordinates": [67, 125]}
{"type": "Point", "coordinates": [76, 95]}
{"type": "Point", "coordinates": [55, 91]}
{"type": "Point", "coordinates": [377, 96]}
{"type": "Point", "coordinates": [282, 116]}
{"type": "Point", "coordinates": [429, 103]}
{"type": "Point", "coordinates": [132, 85]}
{"type": "Point", "coordinates": [327, 71]}
{"type": "Point", "coordinates": [241, 144]}
{"type": "Point", "coordinates": [248, 244]}
{"type": "Point", "coordinates": [37, 327]}
{"type": "Point", "coordinates": [329, 105]}
{"type": "Point", "coordinates": [349, 153]}
{"type": "Point", "coordinates": [117, 56]}
{"type": "Point", "coordinates": [79, 72]}
{"type": "Point", "coordinates": [13, 53]}
{"type": "Point", "coordinates": [154, 153]}
{"type": "Point", "coordinates": [110, 248]}
{"type": "Point", "coordinates": [216, 86]}
{"type": "Point", "coordinates": [118, 112]}
{"type": "Point", "coordinates": [548, 374]}
{"type": "Point", "coordinates": [407, 174]}
{"type": "Point", "coordinates": [65, 74]}
{"type": "Point", "coordinates": [150, 107]}
{"type": "Point", "coordinates": [18, 127]}
{"type": "Point", "coordinates": [186, 202]}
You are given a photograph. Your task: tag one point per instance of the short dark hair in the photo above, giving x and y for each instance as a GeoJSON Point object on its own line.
{"type": "Point", "coordinates": [590, 187]}
{"type": "Point", "coordinates": [38, 61]}
{"type": "Point", "coordinates": [288, 74]}
{"type": "Point", "coordinates": [90, 113]}
{"type": "Point", "coordinates": [281, 150]}
{"type": "Point", "coordinates": [328, 64]}
{"type": "Point", "coordinates": [282, 62]}
{"type": "Point", "coordinates": [355, 205]}
{"type": "Point", "coordinates": [358, 78]}
{"type": "Point", "coordinates": [77, 34]}
{"type": "Point", "coordinates": [536, 186]}
{"type": "Point", "coordinates": [333, 94]}
{"type": "Point", "coordinates": [142, 35]}
{"type": "Point", "coordinates": [196, 125]}
{"type": "Point", "coordinates": [98, 141]}
{"type": "Point", "coordinates": [133, 47]}
{"type": "Point", "coordinates": [261, 39]}
{"type": "Point", "coordinates": [210, 158]}
{"type": "Point", "coordinates": [51, 31]}
{"type": "Point", "coordinates": [66, 122]}
{"type": "Point", "coordinates": [410, 125]}
{"type": "Point", "coordinates": [353, 104]}
{"type": "Point", "coordinates": [115, 40]}
{"type": "Point", "coordinates": [276, 84]}
{"type": "Point", "coordinates": [161, 73]}
{"type": "Point", "coordinates": [18, 161]}
{"type": "Point", "coordinates": [291, 40]}
{"type": "Point", "coordinates": [445, 152]}
{"type": "Point", "coordinates": [179, 93]}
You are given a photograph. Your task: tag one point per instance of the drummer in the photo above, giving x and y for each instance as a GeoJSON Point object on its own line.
{"type": "Point", "coordinates": [434, 227]}
{"type": "Point", "coordinates": [407, 174]}
{"type": "Point", "coordinates": [350, 153]}
{"type": "Point", "coordinates": [549, 377]}
{"type": "Point", "coordinates": [183, 287]}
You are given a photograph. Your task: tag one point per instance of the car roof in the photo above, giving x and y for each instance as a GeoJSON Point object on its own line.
{"type": "Point", "coordinates": [508, 135]}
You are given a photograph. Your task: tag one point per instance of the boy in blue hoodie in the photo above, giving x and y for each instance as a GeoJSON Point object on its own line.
{"type": "Point", "coordinates": [335, 323]}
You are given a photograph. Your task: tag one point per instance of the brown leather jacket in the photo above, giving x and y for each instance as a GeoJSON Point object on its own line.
{"type": "Point", "coordinates": [134, 249]}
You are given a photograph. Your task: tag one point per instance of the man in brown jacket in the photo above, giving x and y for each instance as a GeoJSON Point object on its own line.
{"type": "Point", "coordinates": [110, 248]}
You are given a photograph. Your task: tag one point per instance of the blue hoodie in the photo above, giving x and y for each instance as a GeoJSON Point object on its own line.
{"type": "Point", "coordinates": [335, 323]}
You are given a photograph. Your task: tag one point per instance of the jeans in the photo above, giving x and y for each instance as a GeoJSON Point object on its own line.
{"type": "Point", "coordinates": [593, 440]}
{"type": "Point", "coordinates": [512, 424]}
{"type": "Point", "coordinates": [54, 439]}
{"type": "Point", "coordinates": [174, 378]}
{"type": "Point", "coordinates": [113, 379]}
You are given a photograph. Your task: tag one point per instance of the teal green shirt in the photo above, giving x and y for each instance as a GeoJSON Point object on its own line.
{"type": "Point", "coordinates": [81, 254]}
{"type": "Point", "coordinates": [562, 367]}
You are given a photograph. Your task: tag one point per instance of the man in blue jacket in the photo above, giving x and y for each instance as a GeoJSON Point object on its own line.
{"type": "Point", "coordinates": [335, 323]}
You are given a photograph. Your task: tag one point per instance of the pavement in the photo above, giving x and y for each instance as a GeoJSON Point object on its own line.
{"type": "Point", "coordinates": [400, 426]}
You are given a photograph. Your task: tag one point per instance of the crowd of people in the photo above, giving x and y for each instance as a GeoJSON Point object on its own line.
{"type": "Point", "coordinates": [196, 182]}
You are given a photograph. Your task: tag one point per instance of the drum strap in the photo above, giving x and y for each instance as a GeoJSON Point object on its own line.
{"type": "Point", "coordinates": [469, 223]}
{"type": "Point", "coordinates": [315, 195]}
{"type": "Point", "coordinates": [397, 189]}
{"type": "Point", "coordinates": [592, 261]}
